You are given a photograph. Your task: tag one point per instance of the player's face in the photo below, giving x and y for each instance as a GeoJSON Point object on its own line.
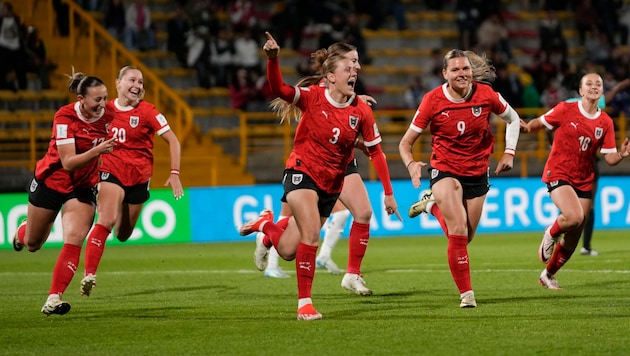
{"type": "Point", "coordinates": [93, 103]}
{"type": "Point", "coordinates": [130, 86]}
{"type": "Point", "coordinates": [345, 77]}
{"type": "Point", "coordinates": [354, 57]}
{"type": "Point", "coordinates": [458, 74]}
{"type": "Point", "coordinates": [591, 86]}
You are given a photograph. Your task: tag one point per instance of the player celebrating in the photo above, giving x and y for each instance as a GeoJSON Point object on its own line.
{"type": "Point", "coordinates": [580, 129]}
{"type": "Point", "coordinates": [125, 174]}
{"type": "Point", "coordinates": [332, 118]}
{"type": "Point", "coordinates": [459, 113]}
{"type": "Point", "coordinates": [67, 176]}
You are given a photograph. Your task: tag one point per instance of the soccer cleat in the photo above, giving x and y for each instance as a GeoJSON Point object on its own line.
{"type": "Point", "coordinates": [55, 306]}
{"type": "Point", "coordinates": [355, 283]}
{"type": "Point", "coordinates": [87, 284]}
{"type": "Point", "coordinates": [308, 312]}
{"type": "Point", "coordinates": [546, 246]}
{"type": "Point", "coordinates": [586, 252]}
{"type": "Point", "coordinates": [329, 264]}
{"type": "Point", "coordinates": [548, 281]}
{"type": "Point", "coordinates": [276, 272]}
{"type": "Point", "coordinates": [254, 225]}
{"type": "Point", "coordinates": [468, 300]}
{"type": "Point", "coordinates": [17, 246]}
{"type": "Point", "coordinates": [261, 253]}
{"type": "Point", "coordinates": [420, 206]}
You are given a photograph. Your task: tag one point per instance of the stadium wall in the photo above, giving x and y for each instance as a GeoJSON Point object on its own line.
{"type": "Point", "coordinates": [214, 214]}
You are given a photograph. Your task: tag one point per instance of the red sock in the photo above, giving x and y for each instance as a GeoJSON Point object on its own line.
{"type": "Point", "coordinates": [95, 247]}
{"type": "Point", "coordinates": [305, 269]}
{"type": "Point", "coordinates": [283, 222]}
{"type": "Point", "coordinates": [272, 234]}
{"type": "Point", "coordinates": [65, 268]}
{"type": "Point", "coordinates": [555, 230]}
{"type": "Point", "coordinates": [559, 257]}
{"type": "Point", "coordinates": [458, 262]}
{"type": "Point", "coordinates": [435, 211]}
{"type": "Point", "coordinates": [358, 241]}
{"type": "Point", "coordinates": [21, 233]}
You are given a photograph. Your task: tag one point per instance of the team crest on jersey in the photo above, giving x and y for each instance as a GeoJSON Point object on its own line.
{"type": "Point", "coordinates": [104, 175]}
{"type": "Point", "coordinates": [354, 121]}
{"type": "Point", "coordinates": [33, 186]}
{"type": "Point", "coordinates": [134, 121]}
{"type": "Point", "coordinates": [599, 132]}
{"type": "Point", "coordinates": [296, 178]}
{"type": "Point", "coordinates": [476, 110]}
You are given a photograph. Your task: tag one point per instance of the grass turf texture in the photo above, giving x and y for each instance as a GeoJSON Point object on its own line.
{"type": "Point", "coordinates": [209, 299]}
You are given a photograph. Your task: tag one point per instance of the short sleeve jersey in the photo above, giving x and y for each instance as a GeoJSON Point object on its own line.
{"type": "Point", "coordinates": [324, 139]}
{"type": "Point", "coordinates": [461, 138]}
{"type": "Point", "coordinates": [577, 137]}
{"type": "Point", "coordinates": [131, 161]}
{"type": "Point", "coordinates": [71, 127]}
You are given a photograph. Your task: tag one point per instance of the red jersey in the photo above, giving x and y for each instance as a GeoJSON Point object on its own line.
{"type": "Point", "coordinates": [461, 139]}
{"type": "Point", "coordinates": [131, 161]}
{"type": "Point", "coordinates": [324, 139]}
{"type": "Point", "coordinates": [71, 127]}
{"type": "Point", "coordinates": [578, 135]}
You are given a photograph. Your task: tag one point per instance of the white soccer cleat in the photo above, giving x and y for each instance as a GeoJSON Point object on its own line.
{"type": "Point", "coordinates": [548, 281]}
{"type": "Point", "coordinates": [585, 252]}
{"type": "Point", "coordinates": [55, 306]}
{"type": "Point", "coordinates": [329, 264]}
{"type": "Point", "coordinates": [547, 245]}
{"type": "Point", "coordinates": [355, 283]}
{"type": "Point", "coordinates": [420, 207]}
{"type": "Point", "coordinates": [261, 253]}
{"type": "Point", "coordinates": [87, 284]}
{"type": "Point", "coordinates": [276, 272]}
{"type": "Point", "coordinates": [468, 300]}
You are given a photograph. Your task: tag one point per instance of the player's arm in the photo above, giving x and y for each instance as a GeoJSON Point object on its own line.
{"type": "Point", "coordinates": [174, 149]}
{"type": "Point", "coordinates": [512, 131]}
{"type": "Point", "coordinates": [66, 146]}
{"type": "Point", "coordinates": [274, 75]}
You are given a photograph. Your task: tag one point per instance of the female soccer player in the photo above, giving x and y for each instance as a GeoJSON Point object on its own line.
{"type": "Point", "coordinates": [125, 173]}
{"type": "Point", "coordinates": [580, 129]}
{"type": "Point", "coordinates": [332, 118]}
{"type": "Point", "coordinates": [67, 177]}
{"type": "Point", "coordinates": [459, 113]}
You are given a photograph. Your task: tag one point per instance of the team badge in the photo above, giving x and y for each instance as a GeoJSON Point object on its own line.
{"type": "Point", "coordinates": [599, 132]}
{"type": "Point", "coordinates": [33, 186]}
{"type": "Point", "coordinates": [104, 175]}
{"type": "Point", "coordinates": [296, 179]}
{"type": "Point", "coordinates": [134, 121]}
{"type": "Point", "coordinates": [476, 110]}
{"type": "Point", "coordinates": [434, 173]}
{"type": "Point", "coordinates": [354, 121]}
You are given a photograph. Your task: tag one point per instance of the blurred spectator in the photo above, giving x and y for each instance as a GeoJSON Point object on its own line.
{"type": "Point", "coordinates": [62, 15]}
{"type": "Point", "coordinates": [12, 51]}
{"type": "Point", "coordinates": [492, 35]}
{"type": "Point", "coordinates": [115, 18]}
{"type": "Point", "coordinates": [177, 27]}
{"type": "Point", "coordinates": [467, 17]}
{"type": "Point", "coordinates": [139, 31]}
{"type": "Point", "coordinates": [509, 85]}
{"type": "Point", "coordinates": [243, 14]}
{"type": "Point", "coordinates": [38, 62]}
{"type": "Point", "coordinates": [198, 43]}
{"type": "Point", "coordinates": [332, 32]}
{"type": "Point", "coordinates": [242, 89]}
{"type": "Point", "coordinates": [222, 56]}
{"type": "Point", "coordinates": [585, 18]}
{"type": "Point", "coordinates": [414, 93]}
{"type": "Point", "coordinates": [289, 17]}
{"type": "Point", "coordinates": [609, 12]}
{"type": "Point", "coordinates": [354, 35]}
{"type": "Point", "coordinates": [90, 5]}
{"type": "Point", "coordinates": [551, 35]}
{"type": "Point", "coordinates": [553, 93]}
{"type": "Point", "coordinates": [598, 48]}
{"type": "Point", "coordinates": [530, 97]}
{"type": "Point", "coordinates": [247, 51]}
{"type": "Point", "coordinates": [379, 9]}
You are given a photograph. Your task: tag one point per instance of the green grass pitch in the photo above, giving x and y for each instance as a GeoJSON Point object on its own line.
{"type": "Point", "coordinates": [208, 299]}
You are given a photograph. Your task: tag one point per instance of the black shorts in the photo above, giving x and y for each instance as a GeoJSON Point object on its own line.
{"type": "Point", "coordinates": [43, 197]}
{"type": "Point", "coordinates": [135, 194]}
{"type": "Point", "coordinates": [294, 180]}
{"type": "Point", "coordinates": [473, 187]}
{"type": "Point", "coordinates": [353, 167]}
{"type": "Point", "coordinates": [580, 193]}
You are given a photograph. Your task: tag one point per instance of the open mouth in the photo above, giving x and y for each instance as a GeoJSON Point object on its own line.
{"type": "Point", "coordinates": [351, 83]}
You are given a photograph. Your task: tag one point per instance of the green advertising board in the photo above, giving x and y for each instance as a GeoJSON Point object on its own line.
{"type": "Point", "coordinates": [163, 220]}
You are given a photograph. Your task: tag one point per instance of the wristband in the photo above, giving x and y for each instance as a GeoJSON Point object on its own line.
{"type": "Point", "coordinates": [409, 164]}
{"type": "Point", "coordinates": [175, 171]}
